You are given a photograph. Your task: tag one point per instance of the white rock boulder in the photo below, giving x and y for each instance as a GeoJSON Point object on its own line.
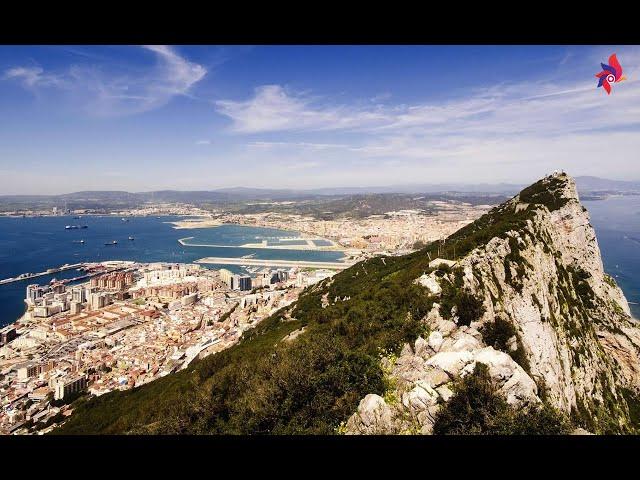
{"type": "Point", "coordinates": [373, 417]}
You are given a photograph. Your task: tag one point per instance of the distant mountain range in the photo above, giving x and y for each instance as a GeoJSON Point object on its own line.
{"type": "Point", "coordinates": [88, 199]}
{"type": "Point", "coordinates": [596, 184]}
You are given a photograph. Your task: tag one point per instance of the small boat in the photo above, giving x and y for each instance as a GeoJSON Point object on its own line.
{"type": "Point", "coordinates": [131, 238]}
{"type": "Point", "coordinates": [115, 242]}
{"type": "Point", "coordinates": [125, 219]}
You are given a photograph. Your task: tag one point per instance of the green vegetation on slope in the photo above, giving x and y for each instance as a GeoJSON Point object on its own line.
{"type": "Point", "coordinates": [476, 408]}
{"type": "Point", "coordinates": [314, 383]}
{"type": "Point", "coordinates": [264, 385]}
{"type": "Point", "coordinates": [497, 335]}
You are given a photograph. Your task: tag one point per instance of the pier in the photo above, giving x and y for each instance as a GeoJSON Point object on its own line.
{"type": "Point", "coordinates": [274, 263]}
{"type": "Point", "coordinates": [50, 271]}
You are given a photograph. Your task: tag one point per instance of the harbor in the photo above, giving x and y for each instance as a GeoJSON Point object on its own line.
{"type": "Point", "coordinates": [28, 276]}
{"type": "Point", "coordinates": [36, 244]}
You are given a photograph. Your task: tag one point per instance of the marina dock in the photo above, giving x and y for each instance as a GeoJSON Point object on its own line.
{"type": "Point", "coordinates": [50, 271]}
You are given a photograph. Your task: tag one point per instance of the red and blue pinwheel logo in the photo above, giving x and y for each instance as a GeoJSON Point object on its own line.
{"type": "Point", "coordinates": [611, 73]}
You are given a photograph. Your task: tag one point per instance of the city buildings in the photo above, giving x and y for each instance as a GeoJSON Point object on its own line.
{"type": "Point", "coordinates": [65, 387]}
{"type": "Point", "coordinates": [124, 328]}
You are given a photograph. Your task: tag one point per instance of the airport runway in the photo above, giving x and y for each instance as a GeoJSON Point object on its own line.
{"type": "Point", "coordinates": [274, 263]}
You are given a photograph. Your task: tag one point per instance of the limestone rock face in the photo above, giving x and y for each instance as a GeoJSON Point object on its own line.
{"type": "Point", "coordinates": [430, 282]}
{"type": "Point", "coordinates": [423, 385]}
{"type": "Point", "coordinates": [435, 341]}
{"type": "Point", "coordinates": [572, 319]}
{"type": "Point", "coordinates": [575, 337]}
{"type": "Point", "coordinates": [512, 381]}
{"type": "Point", "coordinates": [451, 362]}
{"type": "Point", "coordinates": [374, 416]}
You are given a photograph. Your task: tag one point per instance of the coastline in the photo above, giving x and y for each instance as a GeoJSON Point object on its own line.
{"type": "Point", "coordinates": [155, 241]}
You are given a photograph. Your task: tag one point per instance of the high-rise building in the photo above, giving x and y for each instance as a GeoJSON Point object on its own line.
{"type": "Point", "coordinates": [7, 334]}
{"type": "Point", "coordinates": [79, 294]}
{"type": "Point", "coordinates": [75, 308]}
{"type": "Point", "coordinates": [225, 275]}
{"type": "Point", "coordinates": [99, 300]}
{"type": "Point", "coordinates": [63, 387]}
{"type": "Point", "coordinates": [244, 282]}
{"type": "Point", "coordinates": [35, 292]}
{"type": "Point", "coordinates": [232, 280]}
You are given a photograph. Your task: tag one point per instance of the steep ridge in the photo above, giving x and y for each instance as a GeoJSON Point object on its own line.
{"type": "Point", "coordinates": [568, 324]}
{"type": "Point", "coordinates": [391, 344]}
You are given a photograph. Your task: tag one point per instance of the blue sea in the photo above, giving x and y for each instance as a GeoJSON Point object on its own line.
{"type": "Point", "coordinates": [36, 244]}
{"type": "Point", "coordinates": [617, 224]}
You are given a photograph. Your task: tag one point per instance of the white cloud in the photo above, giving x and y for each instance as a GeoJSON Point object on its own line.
{"type": "Point", "coordinates": [32, 77]}
{"type": "Point", "coordinates": [274, 109]}
{"type": "Point", "coordinates": [105, 93]}
{"type": "Point", "coordinates": [506, 109]}
{"type": "Point", "coordinates": [316, 146]}
{"type": "Point", "coordinates": [507, 132]}
{"type": "Point", "coordinates": [175, 75]}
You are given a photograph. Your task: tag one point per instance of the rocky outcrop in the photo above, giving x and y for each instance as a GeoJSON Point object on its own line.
{"type": "Point", "coordinates": [424, 378]}
{"type": "Point", "coordinates": [578, 346]}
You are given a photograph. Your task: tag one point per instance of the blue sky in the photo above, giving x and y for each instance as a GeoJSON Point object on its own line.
{"type": "Point", "coordinates": [142, 118]}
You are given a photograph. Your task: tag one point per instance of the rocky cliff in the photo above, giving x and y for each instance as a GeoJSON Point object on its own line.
{"type": "Point", "coordinates": [570, 340]}
{"type": "Point", "coordinates": [518, 330]}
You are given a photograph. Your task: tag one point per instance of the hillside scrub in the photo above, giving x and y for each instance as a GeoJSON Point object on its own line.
{"type": "Point", "coordinates": [477, 409]}
{"type": "Point", "coordinates": [314, 383]}
{"type": "Point", "coordinates": [263, 385]}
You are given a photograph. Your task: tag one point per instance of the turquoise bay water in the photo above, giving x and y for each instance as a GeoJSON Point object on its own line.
{"type": "Point", "coordinates": [36, 244]}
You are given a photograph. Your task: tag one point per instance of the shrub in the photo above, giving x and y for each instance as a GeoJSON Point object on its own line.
{"type": "Point", "coordinates": [497, 334]}
{"type": "Point", "coordinates": [312, 385]}
{"type": "Point", "coordinates": [476, 408]}
{"type": "Point", "coordinates": [419, 245]}
{"type": "Point", "coordinates": [469, 308]}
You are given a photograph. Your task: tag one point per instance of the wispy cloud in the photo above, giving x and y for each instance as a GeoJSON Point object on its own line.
{"type": "Point", "coordinates": [486, 133]}
{"type": "Point", "coordinates": [505, 109]}
{"type": "Point", "coordinates": [273, 108]}
{"type": "Point", "coordinates": [317, 146]}
{"type": "Point", "coordinates": [33, 77]}
{"type": "Point", "coordinates": [105, 93]}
